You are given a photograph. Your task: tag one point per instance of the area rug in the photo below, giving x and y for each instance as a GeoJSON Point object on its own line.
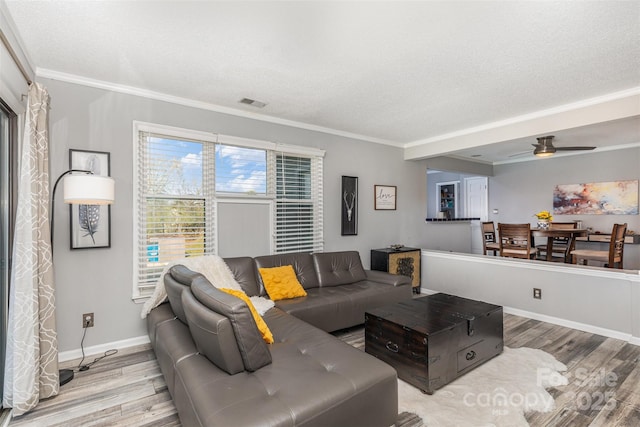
{"type": "Point", "coordinates": [497, 393]}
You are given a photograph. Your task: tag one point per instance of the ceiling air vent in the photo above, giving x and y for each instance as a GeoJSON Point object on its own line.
{"type": "Point", "coordinates": [252, 102]}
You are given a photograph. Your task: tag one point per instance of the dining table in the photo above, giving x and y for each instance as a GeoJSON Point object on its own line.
{"type": "Point", "coordinates": [550, 233]}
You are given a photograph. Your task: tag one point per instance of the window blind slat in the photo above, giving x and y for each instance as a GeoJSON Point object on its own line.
{"type": "Point", "coordinates": [298, 207]}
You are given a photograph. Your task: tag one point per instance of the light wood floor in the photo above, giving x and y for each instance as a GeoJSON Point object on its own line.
{"type": "Point", "coordinates": [128, 389]}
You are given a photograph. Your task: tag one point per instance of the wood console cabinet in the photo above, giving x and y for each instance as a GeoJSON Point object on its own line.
{"type": "Point", "coordinates": [403, 261]}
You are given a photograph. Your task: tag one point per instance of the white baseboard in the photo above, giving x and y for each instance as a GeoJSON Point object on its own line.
{"type": "Point", "coordinates": [101, 348]}
{"type": "Point", "coordinates": [563, 322]}
{"type": "Point", "coordinates": [571, 324]}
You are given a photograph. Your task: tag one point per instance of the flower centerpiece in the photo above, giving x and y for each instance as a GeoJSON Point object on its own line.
{"type": "Point", "coordinates": [544, 218]}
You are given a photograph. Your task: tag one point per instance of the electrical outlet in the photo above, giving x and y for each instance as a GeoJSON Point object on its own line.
{"type": "Point", "coordinates": [87, 320]}
{"type": "Point", "coordinates": [537, 293]}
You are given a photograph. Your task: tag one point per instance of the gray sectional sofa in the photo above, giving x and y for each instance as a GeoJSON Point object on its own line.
{"type": "Point", "coordinates": [220, 372]}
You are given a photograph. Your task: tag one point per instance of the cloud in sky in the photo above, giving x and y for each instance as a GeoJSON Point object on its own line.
{"type": "Point", "coordinates": [192, 160]}
{"type": "Point", "coordinates": [240, 154]}
{"type": "Point", "coordinates": [255, 182]}
{"type": "Point", "coordinates": [240, 170]}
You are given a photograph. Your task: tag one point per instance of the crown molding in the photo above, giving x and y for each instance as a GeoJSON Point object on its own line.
{"type": "Point", "coordinates": [131, 90]}
{"type": "Point", "coordinates": [615, 106]}
{"type": "Point", "coordinates": [158, 96]}
{"type": "Point", "coordinates": [635, 91]}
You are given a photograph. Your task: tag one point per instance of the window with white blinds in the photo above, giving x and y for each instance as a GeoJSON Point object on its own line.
{"type": "Point", "coordinates": [178, 175]}
{"type": "Point", "coordinates": [298, 216]}
{"type": "Point", "coordinates": [175, 217]}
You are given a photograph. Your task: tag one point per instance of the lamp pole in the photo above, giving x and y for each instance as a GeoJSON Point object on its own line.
{"type": "Point", "coordinates": [64, 375]}
{"type": "Point", "coordinates": [53, 198]}
{"type": "Point", "coordinates": [101, 194]}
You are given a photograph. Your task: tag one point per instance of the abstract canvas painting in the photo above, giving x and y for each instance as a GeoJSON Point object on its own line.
{"type": "Point", "coordinates": [596, 198]}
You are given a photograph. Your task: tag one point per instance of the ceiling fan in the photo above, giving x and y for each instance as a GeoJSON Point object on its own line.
{"type": "Point", "coordinates": [545, 148]}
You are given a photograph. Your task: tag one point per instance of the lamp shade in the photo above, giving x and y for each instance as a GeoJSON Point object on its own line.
{"type": "Point", "coordinates": [86, 189]}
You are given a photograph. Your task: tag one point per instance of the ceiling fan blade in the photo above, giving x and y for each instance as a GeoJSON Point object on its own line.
{"type": "Point", "coordinates": [522, 153]}
{"type": "Point", "coordinates": [576, 148]}
{"type": "Point", "coordinates": [545, 147]}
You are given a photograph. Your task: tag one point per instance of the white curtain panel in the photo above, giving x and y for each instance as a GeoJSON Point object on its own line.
{"type": "Point", "coordinates": [31, 370]}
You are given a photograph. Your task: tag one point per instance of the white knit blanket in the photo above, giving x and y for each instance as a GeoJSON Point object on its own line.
{"type": "Point", "coordinates": [215, 270]}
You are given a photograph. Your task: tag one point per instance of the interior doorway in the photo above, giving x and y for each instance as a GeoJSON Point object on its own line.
{"type": "Point", "coordinates": [477, 195]}
{"type": "Point", "coordinates": [476, 206]}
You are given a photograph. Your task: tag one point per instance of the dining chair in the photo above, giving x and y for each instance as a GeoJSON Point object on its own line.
{"type": "Point", "coordinates": [489, 242]}
{"type": "Point", "coordinates": [562, 245]}
{"type": "Point", "coordinates": [612, 257]}
{"type": "Point", "coordinates": [515, 241]}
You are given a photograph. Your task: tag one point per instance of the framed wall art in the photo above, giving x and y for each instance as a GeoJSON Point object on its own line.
{"type": "Point", "coordinates": [384, 197]}
{"type": "Point", "coordinates": [349, 206]}
{"type": "Point", "coordinates": [596, 198]}
{"type": "Point", "coordinates": [90, 226]}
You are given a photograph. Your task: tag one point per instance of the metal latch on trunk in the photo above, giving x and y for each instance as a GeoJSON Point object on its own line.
{"type": "Point", "coordinates": [470, 321]}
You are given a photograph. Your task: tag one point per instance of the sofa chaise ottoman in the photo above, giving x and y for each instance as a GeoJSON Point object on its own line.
{"type": "Point", "coordinates": [220, 372]}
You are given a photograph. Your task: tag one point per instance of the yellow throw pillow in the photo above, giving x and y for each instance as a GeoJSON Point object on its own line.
{"type": "Point", "coordinates": [281, 283]}
{"type": "Point", "coordinates": [267, 336]}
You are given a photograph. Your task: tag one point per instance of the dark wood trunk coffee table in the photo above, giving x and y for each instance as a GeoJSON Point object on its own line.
{"type": "Point", "coordinates": [432, 340]}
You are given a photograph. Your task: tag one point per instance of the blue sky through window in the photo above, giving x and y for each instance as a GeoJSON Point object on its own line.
{"type": "Point", "coordinates": [176, 166]}
{"type": "Point", "coordinates": [179, 167]}
{"type": "Point", "coordinates": [241, 170]}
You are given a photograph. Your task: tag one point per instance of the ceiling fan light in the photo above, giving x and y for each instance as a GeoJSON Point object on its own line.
{"type": "Point", "coordinates": [543, 154]}
{"type": "Point", "coordinates": [544, 148]}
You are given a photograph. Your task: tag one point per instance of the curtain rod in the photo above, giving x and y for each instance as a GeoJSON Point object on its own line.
{"type": "Point", "coordinates": [15, 57]}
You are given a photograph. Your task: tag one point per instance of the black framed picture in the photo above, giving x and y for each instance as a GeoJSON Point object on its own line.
{"type": "Point", "coordinates": [349, 205]}
{"type": "Point", "coordinates": [384, 197]}
{"type": "Point", "coordinates": [90, 226]}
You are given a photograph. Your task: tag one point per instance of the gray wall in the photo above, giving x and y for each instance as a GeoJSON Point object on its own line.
{"type": "Point", "coordinates": [602, 301]}
{"type": "Point", "coordinates": [519, 190]}
{"type": "Point", "coordinates": [448, 236]}
{"type": "Point", "coordinates": [452, 164]}
{"type": "Point", "coordinates": [100, 280]}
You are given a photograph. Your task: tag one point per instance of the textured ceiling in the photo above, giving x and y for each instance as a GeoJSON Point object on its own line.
{"type": "Point", "coordinates": [390, 71]}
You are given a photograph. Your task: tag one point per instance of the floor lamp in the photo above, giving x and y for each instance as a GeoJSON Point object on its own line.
{"type": "Point", "coordinates": [81, 188]}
